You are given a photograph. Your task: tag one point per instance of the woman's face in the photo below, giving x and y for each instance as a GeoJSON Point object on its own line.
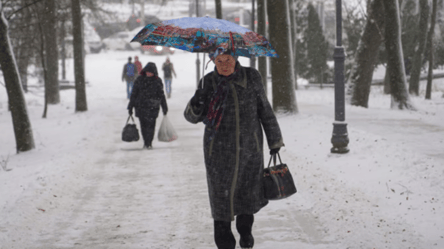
{"type": "Point", "coordinates": [149, 74]}
{"type": "Point", "coordinates": [225, 64]}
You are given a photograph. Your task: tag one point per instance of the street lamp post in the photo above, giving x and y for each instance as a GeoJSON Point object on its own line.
{"type": "Point", "coordinates": [252, 58]}
{"type": "Point", "coordinates": [197, 59]}
{"type": "Point", "coordinates": [340, 136]}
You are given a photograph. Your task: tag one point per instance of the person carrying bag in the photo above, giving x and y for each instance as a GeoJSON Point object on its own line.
{"type": "Point", "coordinates": [232, 103]}
{"type": "Point", "coordinates": [147, 98]}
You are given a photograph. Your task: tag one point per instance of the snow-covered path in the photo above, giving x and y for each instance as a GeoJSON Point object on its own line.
{"type": "Point", "coordinates": [82, 187]}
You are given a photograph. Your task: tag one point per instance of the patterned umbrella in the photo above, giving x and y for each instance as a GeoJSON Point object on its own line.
{"type": "Point", "coordinates": [205, 34]}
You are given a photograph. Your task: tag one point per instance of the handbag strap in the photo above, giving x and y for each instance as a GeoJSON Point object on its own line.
{"type": "Point", "coordinates": [274, 159]}
{"type": "Point", "coordinates": [130, 116]}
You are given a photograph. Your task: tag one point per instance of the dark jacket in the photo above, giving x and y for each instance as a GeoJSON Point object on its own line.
{"type": "Point", "coordinates": [127, 77]}
{"type": "Point", "coordinates": [168, 70]}
{"type": "Point", "coordinates": [234, 157]}
{"type": "Point", "coordinates": [147, 95]}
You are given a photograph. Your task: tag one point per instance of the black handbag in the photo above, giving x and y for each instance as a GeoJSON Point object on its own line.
{"type": "Point", "coordinates": [278, 182]}
{"type": "Point", "coordinates": [130, 132]}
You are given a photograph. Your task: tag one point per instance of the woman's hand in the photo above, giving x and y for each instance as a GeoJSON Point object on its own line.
{"type": "Point", "coordinates": [198, 98]}
{"type": "Point", "coordinates": [274, 151]}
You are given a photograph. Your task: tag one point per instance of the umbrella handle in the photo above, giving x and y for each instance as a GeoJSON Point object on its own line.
{"type": "Point", "coordinates": [203, 71]}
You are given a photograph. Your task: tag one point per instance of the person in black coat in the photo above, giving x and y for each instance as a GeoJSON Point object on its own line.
{"type": "Point", "coordinates": [146, 98]}
{"type": "Point", "coordinates": [232, 103]}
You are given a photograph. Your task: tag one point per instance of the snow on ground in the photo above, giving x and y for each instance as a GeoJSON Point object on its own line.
{"type": "Point", "coordinates": [82, 187]}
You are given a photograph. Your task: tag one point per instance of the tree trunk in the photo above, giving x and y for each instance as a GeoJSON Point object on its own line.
{"type": "Point", "coordinates": [284, 98]}
{"type": "Point", "coordinates": [366, 55]}
{"type": "Point", "coordinates": [63, 47]}
{"type": "Point", "coordinates": [418, 56]}
{"type": "Point", "coordinates": [24, 56]}
{"type": "Point", "coordinates": [293, 40]}
{"type": "Point", "coordinates": [44, 67]}
{"type": "Point", "coordinates": [17, 104]}
{"type": "Point", "coordinates": [395, 60]}
{"type": "Point", "coordinates": [51, 53]}
{"type": "Point", "coordinates": [79, 68]}
{"type": "Point", "coordinates": [218, 9]}
{"type": "Point", "coordinates": [428, 94]}
{"type": "Point", "coordinates": [23, 50]}
{"type": "Point", "coordinates": [142, 12]}
{"type": "Point", "coordinates": [387, 80]}
{"type": "Point", "coordinates": [261, 29]}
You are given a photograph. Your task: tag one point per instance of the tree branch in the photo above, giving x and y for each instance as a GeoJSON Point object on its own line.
{"type": "Point", "coordinates": [24, 7]}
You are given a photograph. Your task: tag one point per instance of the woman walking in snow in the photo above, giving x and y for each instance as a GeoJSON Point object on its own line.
{"type": "Point", "coordinates": [233, 105]}
{"type": "Point", "coordinates": [147, 96]}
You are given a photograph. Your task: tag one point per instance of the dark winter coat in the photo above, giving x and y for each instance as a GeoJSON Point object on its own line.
{"type": "Point", "coordinates": [147, 95]}
{"type": "Point", "coordinates": [234, 157]}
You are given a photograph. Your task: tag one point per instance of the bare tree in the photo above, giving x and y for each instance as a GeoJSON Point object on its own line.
{"type": "Point", "coordinates": [419, 49]}
{"type": "Point", "coordinates": [218, 9]}
{"type": "Point", "coordinates": [395, 60]}
{"type": "Point", "coordinates": [79, 67]}
{"type": "Point", "coordinates": [386, 83]}
{"type": "Point", "coordinates": [293, 38]}
{"type": "Point", "coordinates": [21, 123]}
{"type": "Point", "coordinates": [43, 63]}
{"type": "Point", "coordinates": [428, 94]}
{"type": "Point", "coordinates": [366, 57]}
{"type": "Point", "coordinates": [282, 73]}
{"type": "Point", "coordinates": [23, 37]}
{"type": "Point", "coordinates": [51, 52]}
{"type": "Point", "coordinates": [261, 29]}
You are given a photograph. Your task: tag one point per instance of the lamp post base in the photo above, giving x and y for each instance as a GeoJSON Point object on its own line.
{"type": "Point", "coordinates": [342, 150]}
{"type": "Point", "coordinates": [339, 139]}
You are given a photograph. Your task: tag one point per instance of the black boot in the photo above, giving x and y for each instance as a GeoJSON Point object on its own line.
{"type": "Point", "coordinates": [223, 236]}
{"type": "Point", "coordinates": [244, 224]}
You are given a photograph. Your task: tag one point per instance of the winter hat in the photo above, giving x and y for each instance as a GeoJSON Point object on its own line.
{"type": "Point", "coordinates": [221, 50]}
{"type": "Point", "coordinates": [151, 67]}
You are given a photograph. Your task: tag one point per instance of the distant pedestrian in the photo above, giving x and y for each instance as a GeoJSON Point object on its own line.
{"type": "Point", "coordinates": [129, 75]}
{"type": "Point", "coordinates": [138, 64]}
{"type": "Point", "coordinates": [147, 97]}
{"type": "Point", "coordinates": [168, 71]}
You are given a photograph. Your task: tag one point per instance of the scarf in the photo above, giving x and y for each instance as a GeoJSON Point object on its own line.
{"type": "Point", "coordinates": [217, 104]}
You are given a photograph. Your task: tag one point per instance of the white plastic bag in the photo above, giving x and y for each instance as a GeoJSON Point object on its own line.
{"type": "Point", "coordinates": [166, 132]}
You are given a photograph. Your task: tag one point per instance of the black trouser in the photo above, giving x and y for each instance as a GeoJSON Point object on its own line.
{"type": "Point", "coordinates": [147, 125]}
{"type": "Point", "coordinates": [224, 237]}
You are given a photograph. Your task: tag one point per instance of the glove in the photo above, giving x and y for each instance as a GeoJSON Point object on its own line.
{"type": "Point", "coordinates": [198, 98]}
{"type": "Point", "coordinates": [164, 113]}
{"type": "Point", "coordinates": [274, 151]}
{"type": "Point", "coordinates": [130, 112]}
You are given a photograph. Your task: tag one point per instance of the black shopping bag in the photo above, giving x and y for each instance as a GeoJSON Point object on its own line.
{"type": "Point", "coordinates": [278, 182]}
{"type": "Point", "coordinates": [130, 132]}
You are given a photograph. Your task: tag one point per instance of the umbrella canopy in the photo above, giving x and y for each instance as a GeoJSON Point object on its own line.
{"type": "Point", "coordinates": [205, 34]}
